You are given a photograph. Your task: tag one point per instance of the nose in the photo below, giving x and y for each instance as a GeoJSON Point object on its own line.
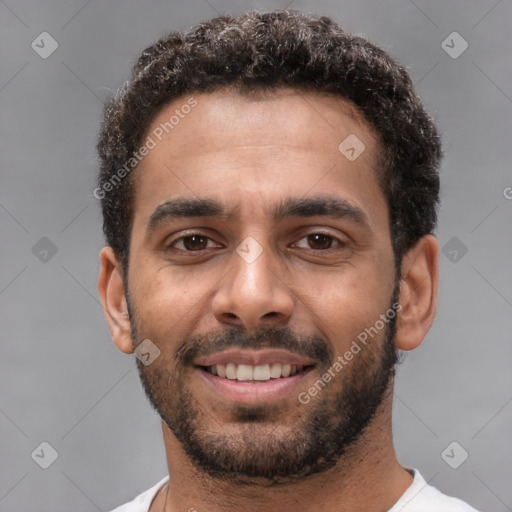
{"type": "Point", "coordinates": [253, 294]}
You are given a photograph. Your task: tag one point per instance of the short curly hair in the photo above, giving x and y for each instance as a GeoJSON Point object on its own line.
{"type": "Point", "coordinates": [264, 51]}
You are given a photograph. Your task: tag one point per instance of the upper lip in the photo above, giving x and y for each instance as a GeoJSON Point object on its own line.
{"type": "Point", "coordinates": [253, 358]}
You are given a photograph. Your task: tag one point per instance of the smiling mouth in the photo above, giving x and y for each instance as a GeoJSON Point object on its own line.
{"type": "Point", "coordinates": [255, 373]}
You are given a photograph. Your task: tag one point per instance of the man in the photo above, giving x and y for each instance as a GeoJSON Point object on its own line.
{"type": "Point", "coordinates": [269, 186]}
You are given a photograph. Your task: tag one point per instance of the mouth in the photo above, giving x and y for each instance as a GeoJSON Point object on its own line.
{"type": "Point", "coordinates": [255, 373]}
{"type": "Point", "coordinates": [252, 377]}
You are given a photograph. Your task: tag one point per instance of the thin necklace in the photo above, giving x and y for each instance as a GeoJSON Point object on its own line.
{"type": "Point", "coordinates": [166, 485]}
{"type": "Point", "coordinates": [166, 494]}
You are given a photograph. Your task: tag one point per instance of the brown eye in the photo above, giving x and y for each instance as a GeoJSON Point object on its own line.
{"type": "Point", "coordinates": [319, 241]}
{"type": "Point", "coordinates": [192, 244]}
{"type": "Point", "coordinates": [195, 242]}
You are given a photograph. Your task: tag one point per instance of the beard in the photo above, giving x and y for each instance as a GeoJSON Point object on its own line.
{"type": "Point", "coordinates": [253, 448]}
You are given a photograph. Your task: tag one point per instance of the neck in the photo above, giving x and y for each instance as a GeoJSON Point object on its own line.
{"type": "Point", "coordinates": [367, 477]}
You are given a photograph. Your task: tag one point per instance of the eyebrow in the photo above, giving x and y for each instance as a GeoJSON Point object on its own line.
{"type": "Point", "coordinates": [326, 206]}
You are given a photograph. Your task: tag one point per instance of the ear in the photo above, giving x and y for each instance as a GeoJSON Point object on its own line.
{"type": "Point", "coordinates": [418, 293]}
{"type": "Point", "coordinates": [112, 294]}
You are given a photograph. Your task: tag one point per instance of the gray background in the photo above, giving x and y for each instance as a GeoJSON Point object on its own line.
{"type": "Point", "coordinates": [61, 378]}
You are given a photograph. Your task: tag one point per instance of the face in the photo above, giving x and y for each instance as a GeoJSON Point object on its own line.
{"type": "Point", "coordinates": [261, 251]}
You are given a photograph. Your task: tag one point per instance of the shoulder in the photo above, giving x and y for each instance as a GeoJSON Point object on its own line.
{"type": "Point", "coordinates": [142, 502]}
{"type": "Point", "coordinates": [422, 497]}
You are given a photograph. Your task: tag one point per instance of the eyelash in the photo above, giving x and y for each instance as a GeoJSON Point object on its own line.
{"type": "Point", "coordinates": [340, 244]}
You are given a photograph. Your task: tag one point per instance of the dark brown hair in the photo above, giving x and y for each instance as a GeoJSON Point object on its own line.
{"type": "Point", "coordinates": [263, 51]}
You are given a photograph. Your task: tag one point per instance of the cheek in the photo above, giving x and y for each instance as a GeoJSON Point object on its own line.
{"type": "Point", "coordinates": [344, 303]}
{"type": "Point", "coordinates": [167, 301]}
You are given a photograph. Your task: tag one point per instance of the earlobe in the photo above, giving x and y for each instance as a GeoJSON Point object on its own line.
{"type": "Point", "coordinates": [418, 293]}
{"type": "Point", "coordinates": [112, 294]}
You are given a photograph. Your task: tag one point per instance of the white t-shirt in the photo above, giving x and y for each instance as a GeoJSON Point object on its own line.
{"type": "Point", "coordinates": [419, 497]}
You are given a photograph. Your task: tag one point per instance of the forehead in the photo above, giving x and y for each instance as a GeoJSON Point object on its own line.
{"type": "Point", "coordinates": [228, 118]}
{"type": "Point", "coordinates": [268, 144]}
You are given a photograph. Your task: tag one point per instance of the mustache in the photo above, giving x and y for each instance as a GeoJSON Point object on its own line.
{"type": "Point", "coordinates": [312, 347]}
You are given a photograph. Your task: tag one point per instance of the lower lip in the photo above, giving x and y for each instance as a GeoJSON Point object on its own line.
{"type": "Point", "coordinates": [251, 392]}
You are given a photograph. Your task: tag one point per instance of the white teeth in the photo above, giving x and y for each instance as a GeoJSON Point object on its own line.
{"type": "Point", "coordinates": [262, 372]}
{"type": "Point", "coordinates": [275, 371]}
{"type": "Point", "coordinates": [231, 371]}
{"type": "Point", "coordinates": [244, 372]}
{"type": "Point", "coordinates": [221, 370]}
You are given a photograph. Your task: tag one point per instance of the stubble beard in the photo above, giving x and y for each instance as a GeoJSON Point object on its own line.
{"type": "Point", "coordinates": [253, 449]}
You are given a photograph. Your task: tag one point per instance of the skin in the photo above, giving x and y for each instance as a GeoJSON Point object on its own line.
{"type": "Point", "coordinates": [251, 152]}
